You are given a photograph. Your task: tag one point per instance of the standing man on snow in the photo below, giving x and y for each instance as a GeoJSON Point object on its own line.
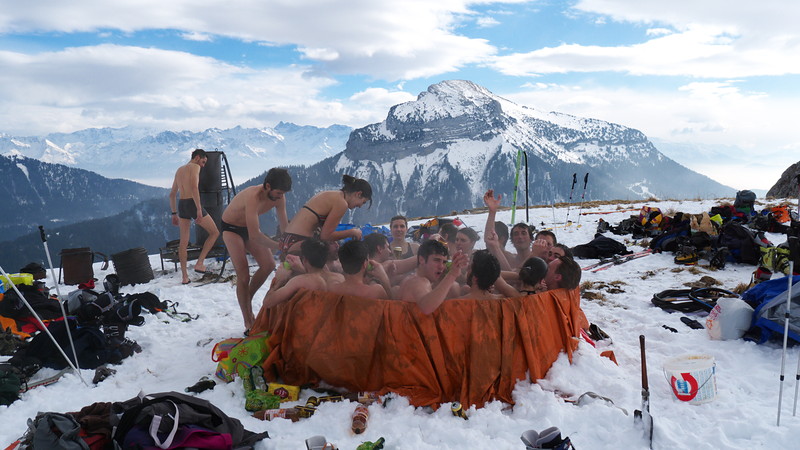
{"type": "Point", "coordinates": [241, 233]}
{"type": "Point", "coordinates": [188, 208]}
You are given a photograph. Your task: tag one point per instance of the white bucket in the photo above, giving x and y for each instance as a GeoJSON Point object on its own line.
{"type": "Point", "coordinates": [691, 378]}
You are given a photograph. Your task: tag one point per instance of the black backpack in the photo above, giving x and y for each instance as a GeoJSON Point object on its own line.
{"type": "Point", "coordinates": [744, 244]}
{"type": "Point", "coordinates": [37, 295]}
{"type": "Point", "coordinates": [164, 409]}
{"type": "Point", "coordinates": [600, 247]}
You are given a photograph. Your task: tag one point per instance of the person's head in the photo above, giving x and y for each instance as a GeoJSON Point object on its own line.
{"type": "Point", "coordinates": [448, 232]}
{"type": "Point", "coordinates": [533, 271]}
{"type": "Point", "coordinates": [314, 252]}
{"type": "Point", "coordinates": [399, 226]}
{"type": "Point", "coordinates": [377, 247]}
{"type": "Point", "coordinates": [547, 235]}
{"type": "Point", "coordinates": [563, 272]}
{"type": "Point", "coordinates": [502, 233]}
{"type": "Point", "coordinates": [466, 239]}
{"type": "Point", "coordinates": [277, 182]}
{"type": "Point", "coordinates": [357, 191]}
{"type": "Point", "coordinates": [560, 250]}
{"type": "Point", "coordinates": [353, 256]}
{"type": "Point", "coordinates": [432, 259]}
{"type": "Point", "coordinates": [199, 156]}
{"type": "Point", "coordinates": [521, 236]}
{"type": "Point", "coordinates": [484, 270]}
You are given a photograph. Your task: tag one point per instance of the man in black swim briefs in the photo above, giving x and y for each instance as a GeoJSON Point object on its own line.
{"type": "Point", "coordinates": [187, 179]}
{"type": "Point", "coordinates": [242, 234]}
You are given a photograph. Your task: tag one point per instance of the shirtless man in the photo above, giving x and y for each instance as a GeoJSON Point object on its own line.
{"type": "Point", "coordinates": [187, 179]}
{"type": "Point", "coordinates": [483, 273]}
{"type": "Point", "coordinates": [359, 272]}
{"type": "Point", "coordinates": [241, 233]}
{"type": "Point", "coordinates": [313, 255]}
{"type": "Point", "coordinates": [429, 286]}
{"type": "Point", "coordinates": [563, 272]}
{"type": "Point", "coordinates": [521, 236]}
{"type": "Point", "coordinates": [378, 250]}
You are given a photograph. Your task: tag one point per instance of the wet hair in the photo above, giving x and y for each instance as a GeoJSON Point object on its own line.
{"type": "Point", "coordinates": [567, 251]}
{"type": "Point", "coordinates": [279, 179]}
{"type": "Point", "coordinates": [315, 252]}
{"type": "Point", "coordinates": [199, 152]}
{"type": "Point", "coordinates": [502, 232]}
{"type": "Point", "coordinates": [398, 217]}
{"type": "Point", "coordinates": [525, 226]}
{"type": "Point", "coordinates": [533, 271]}
{"type": "Point", "coordinates": [548, 233]}
{"type": "Point", "coordinates": [471, 234]}
{"type": "Point", "coordinates": [448, 231]}
{"type": "Point", "coordinates": [373, 241]}
{"type": "Point", "coordinates": [352, 184]}
{"type": "Point", "coordinates": [485, 269]}
{"type": "Point", "coordinates": [570, 273]}
{"type": "Point", "coordinates": [352, 255]}
{"type": "Point", "coordinates": [431, 247]}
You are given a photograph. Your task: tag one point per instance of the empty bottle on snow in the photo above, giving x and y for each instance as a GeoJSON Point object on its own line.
{"type": "Point", "coordinates": [360, 417]}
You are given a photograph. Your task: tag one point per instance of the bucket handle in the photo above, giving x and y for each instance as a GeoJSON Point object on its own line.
{"type": "Point", "coordinates": [666, 378]}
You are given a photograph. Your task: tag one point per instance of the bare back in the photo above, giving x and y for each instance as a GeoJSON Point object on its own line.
{"type": "Point", "coordinates": [186, 180]}
{"type": "Point", "coordinates": [328, 205]}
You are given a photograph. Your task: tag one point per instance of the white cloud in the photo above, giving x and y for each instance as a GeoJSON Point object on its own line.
{"type": "Point", "coordinates": [699, 51]}
{"type": "Point", "coordinates": [165, 89]}
{"type": "Point", "coordinates": [658, 31]}
{"type": "Point", "coordinates": [486, 22]}
{"type": "Point", "coordinates": [196, 36]}
{"type": "Point", "coordinates": [388, 40]}
{"type": "Point", "coordinates": [708, 39]}
{"type": "Point", "coordinates": [700, 113]}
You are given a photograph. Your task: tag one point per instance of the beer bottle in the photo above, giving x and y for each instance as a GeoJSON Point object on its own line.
{"type": "Point", "coordinates": [458, 411]}
{"type": "Point", "coordinates": [292, 414]}
{"type": "Point", "coordinates": [360, 417]}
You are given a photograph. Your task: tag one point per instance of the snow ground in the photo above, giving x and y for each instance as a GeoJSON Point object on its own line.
{"type": "Point", "coordinates": [743, 415]}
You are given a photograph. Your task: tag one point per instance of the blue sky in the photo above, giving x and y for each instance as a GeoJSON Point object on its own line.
{"type": "Point", "coordinates": [713, 83]}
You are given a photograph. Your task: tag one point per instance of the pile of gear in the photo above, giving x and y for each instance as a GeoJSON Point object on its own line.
{"type": "Point", "coordinates": [726, 233]}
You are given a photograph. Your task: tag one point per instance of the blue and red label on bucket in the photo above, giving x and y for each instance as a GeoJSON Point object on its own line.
{"type": "Point", "coordinates": [692, 378]}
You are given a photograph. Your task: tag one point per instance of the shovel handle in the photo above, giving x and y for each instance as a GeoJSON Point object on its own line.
{"type": "Point", "coordinates": [644, 363]}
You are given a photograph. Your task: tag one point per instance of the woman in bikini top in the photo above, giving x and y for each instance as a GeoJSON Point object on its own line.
{"type": "Point", "coordinates": [322, 213]}
{"type": "Point", "coordinates": [399, 227]}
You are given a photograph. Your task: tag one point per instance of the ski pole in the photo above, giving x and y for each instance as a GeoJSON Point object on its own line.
{"type": "Point", "coordinates": [574, 180]}
{"type": "Point", "coordinates": [527, 206]}
{"type": "Point", "coordinates": [785, 338]}
{"type": "Point", "coordinates": [44, 327]}
{"type": "Point", "coordinates": [585, 182]}
{"type": "Point", "coordinates": [516, 184]}
{"type": "Point", "coordinates": [58, 293]}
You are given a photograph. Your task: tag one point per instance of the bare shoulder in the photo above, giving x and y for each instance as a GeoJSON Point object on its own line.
{"type": "Point", "coordinates": [413, 287]}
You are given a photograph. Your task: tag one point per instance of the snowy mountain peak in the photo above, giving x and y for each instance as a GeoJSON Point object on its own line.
{"type": "Point", "coordinates": [447, 99]}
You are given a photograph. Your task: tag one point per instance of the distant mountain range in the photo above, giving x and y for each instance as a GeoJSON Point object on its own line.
{"type": "Point", "coordinates": [151, 157]}
{"type": "Point", "coordinates": [37, 193]}
{"type": "Point", "coordinates": [436, 155]}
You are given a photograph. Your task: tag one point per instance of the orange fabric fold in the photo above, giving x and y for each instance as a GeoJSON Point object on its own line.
{"type": "Point", "coordinates": [471, 351]}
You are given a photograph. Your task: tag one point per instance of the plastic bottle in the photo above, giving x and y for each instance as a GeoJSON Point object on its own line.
{"type": "Point", "coordinates": [458, 410]}
{"type": "Point", "coordinates": [360, 417]}
{"type": "Point", "coordinates": [282, 413]}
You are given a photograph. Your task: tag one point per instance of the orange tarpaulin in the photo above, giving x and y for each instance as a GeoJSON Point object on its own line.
{"type": "Point", "coordinates": [471, 351]}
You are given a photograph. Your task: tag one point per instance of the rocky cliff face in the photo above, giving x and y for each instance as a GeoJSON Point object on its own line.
{"type": "Point", "coordinates": [787, 185]}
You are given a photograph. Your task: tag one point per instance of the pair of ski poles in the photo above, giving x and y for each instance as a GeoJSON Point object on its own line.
{"type": "Point", "coordinates": [583, 194]}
